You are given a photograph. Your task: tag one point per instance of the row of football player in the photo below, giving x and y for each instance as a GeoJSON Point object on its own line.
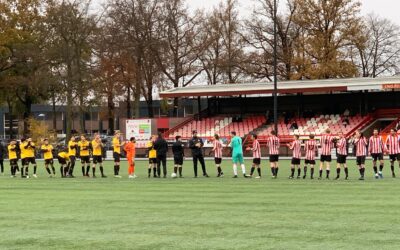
{"type": "Point", "coordinates": [375, 146]}
{"type": "Point", "coordinates": [66, 156]}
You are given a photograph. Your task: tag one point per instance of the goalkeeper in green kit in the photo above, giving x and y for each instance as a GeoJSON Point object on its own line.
{"type": "Point", "coordinates": [237, 154]}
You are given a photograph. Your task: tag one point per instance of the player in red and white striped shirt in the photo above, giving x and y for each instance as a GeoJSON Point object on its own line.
{"type": "Point", "coordinates": [311, 148]}
{"type": "Point", "coordinates": [256, 156]}
{"type": "Point", "coordinates": [376, 148]}
{"type": "Point", "coordinates": [295, 146]}
{"type": "Point", "coordinates": [361, 144]}
{"type": "Point", "coordinates": [217, 149]}
{"type": "Point", "coordinates": [341, 147]}
{"type": "Point", "coordinates": [393, 148]}
{"type": "Point", "coordinates": [326, 153]}
{"type": "Point", "coordinates": [273, 143]}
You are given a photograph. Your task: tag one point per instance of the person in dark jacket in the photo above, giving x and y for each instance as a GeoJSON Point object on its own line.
{"type": "Point", "coordinates": [161, 146]}
{"type": "Point", "coordinates": [196, 144]}
{"type": "Point", "coordinates": [178, 151]}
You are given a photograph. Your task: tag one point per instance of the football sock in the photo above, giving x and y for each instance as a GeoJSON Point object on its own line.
{"type": "Point", "coordinates": [54, 169]}
{"type": "Point", "coordinates": [34, 169]}
{"type": "Point", "coordinates": [219, 170]}
{"type": "Point", "coordinates": [305, 170]}
{"type": "Point", "coordinates": [17, 167]}
{"type": "Point", "coordinates": [338, 172]}
{"type": "Point", "coordinates": [292, 172]}
{"type": "Point", "coordinates": [83, 170]}
{"type": "Point", "coordinates": [61, 171]}
{"type": "Point", "coordinates": [276, 171]}
{"type": "Point", "coordinates": [320, 173]}
{"type": "Point", "coordinates": [251, 171]}
{"type": "Point", "coordinates": [26, 171]}
{"type": "Point", "coordinates": [381, 167]}
{"type": "Point", "coordinates": [22, 171]}
{"type": "Point", "coordinates": [154, 171]}
{"type": "Point", "coordinates": [392, 168]}
{"type": "Point", "coordinates": [375, 169]}
{"type": "Point", "coordinates": [12, 170]}
{"type": "Point", "coordinates": [94, 171]}
{"type": "Point", "coordinates": [346, 171]}
{"type": "Point", "coordinates": [175, 170]}
{"type": "Point", "coordinates": [149, 172]}
{"type": "Point", "coordinates": [327, 173]}
{"type": "Point", "coordinates": [235, 169]}
{"type": "Point", "coordinates": [298, 171]}
{"type": "Point", "coordinates": [115, 170]}
{"type": "Point", "coordinates": [273, 171]}
{"type": "Point", "coordinates": [259, 171]}
{"type": "Point", "coordinates": [87, 170]}
{"type": "Point", "coordinates": [102, 170]}
{"type": "Point", "coordinates": [48, 170]}
{"type": "Point", "coordinates": [312, 172]}
{"type": "Point", "coordinates": [180, 171]}
{"type": "Point", "coordinates": [243, 168]}
{"type": "Point", "coordinates": [363, 171]}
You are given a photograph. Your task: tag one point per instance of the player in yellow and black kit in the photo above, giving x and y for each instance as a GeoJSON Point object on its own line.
{"type": "Point", "coordinates": [84, 153]}
{"type": "Point", "coordinates": [63, 159]}
{"type": "Point", "coordinates": [47, 151]}
{"type": "Point", "coordinates": [97, 147]}
{"type": "Point", "coordinates": [152, 157]}
{"type": "Point", "coordinates": [13, 157]}
{"type": "Point", "coordinates": [72, 147]}
{"type": "Point", "coordinates": [28, 156]}
{"type": "Point", "coordinates": [117, 143]}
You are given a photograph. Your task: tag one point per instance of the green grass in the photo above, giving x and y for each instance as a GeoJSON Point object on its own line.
{"type": "Point", "coordinates": [199, 213]}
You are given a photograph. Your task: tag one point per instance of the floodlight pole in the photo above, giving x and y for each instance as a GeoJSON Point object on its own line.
{"type": "Point", "coordinates": [275, 93]}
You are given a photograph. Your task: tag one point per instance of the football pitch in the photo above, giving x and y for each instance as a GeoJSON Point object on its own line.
{"type": "Point", "coordinates": [202, 213]}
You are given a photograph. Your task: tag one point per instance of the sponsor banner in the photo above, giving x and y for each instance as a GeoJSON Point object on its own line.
{"type": "Point", "coordinates": [140, 129]}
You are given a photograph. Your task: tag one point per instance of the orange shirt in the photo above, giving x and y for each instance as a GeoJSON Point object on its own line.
{"type": "Point", "coordinates": [130, 149]}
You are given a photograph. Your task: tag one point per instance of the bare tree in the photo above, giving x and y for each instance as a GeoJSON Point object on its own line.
{"type": "Point", "coordinates": [379, 49]}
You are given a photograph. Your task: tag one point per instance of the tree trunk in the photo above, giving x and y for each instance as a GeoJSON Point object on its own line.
{"type": "Point", "coordinates": [128, 103]}
{"type": "Point", "coordinates": [27, 113]}
{"type": "Point", "coordinates": [53, 100]}
{"type": "Point", "coordinates": [10, 118]}
{"type": "Point", "coordinates": [150, 104]}
{"type": "Point", "coordinates": [111, 108]}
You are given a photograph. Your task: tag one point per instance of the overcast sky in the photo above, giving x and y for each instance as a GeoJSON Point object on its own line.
{"type": "Point", "coordinates": [387, 8]}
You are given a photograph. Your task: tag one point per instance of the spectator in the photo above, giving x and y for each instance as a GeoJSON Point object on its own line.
{"type": "Point", "coordinates": [346, 121]}
{"type": "Point", "coordinates": [294, 125]}
{"type": "Point", "coordinates": [346, 113]}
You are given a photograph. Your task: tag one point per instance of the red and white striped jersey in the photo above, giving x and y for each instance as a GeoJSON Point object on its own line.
{"type": "Point", "coordinates": [273, 144]}
{"type": "Point", "coordinates": [296, 147]}
{"type": "Point", "coordinates": [376, 145]}
{"type": "Point", "coordinates": [256, 149]}
{"type": "Point", "coordinates": [326, 144]}
{"type": "Point", "coordinates": [311, 147]}
{"type": "Point", "coordinates": [393, 144]}
{"type": "Point", "coordinates": [341, 146]}
{"type": "Point", "coordinates": [217, 147]}
{"type": "Point", "coordinates": [361, 146]}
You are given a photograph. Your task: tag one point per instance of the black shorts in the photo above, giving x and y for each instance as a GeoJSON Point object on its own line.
{"type": "Point", "coordinates": [311, 162]}
{"type": "Point", "coordinates": [378, 156]}
{"type": "Point", "coordinates": [117, 157]}
{"type": "Point", "coordinates": [256, 161]}
{"type": "Point", "coordinates": [341, 159]}
{"type": "Point", "coordinates": [295, 161]}
{"type": "Point", "coordinates": [395, 157]}
{"type": "Point", "coordinates": [178, 160]}
{"type": "Point", "coordinates": [97, 159]}
{"type": "Point", "coordinates": [153, 160]}
{"type": "Point", "coordinates": [13, 161]}
{"type": "Point", "coordinates": [28, 160]}
{"type": "Point", "coordinates": [85, 159]}
{"type": "Point", "coordinates": [217, 160]}
{"type": "Point", "coordinates": [326, 158]}
{"type": "Point", "coordinates": [61, 160]}
{"type": "Point", "coordinates": [273, 158]}
{"type": "Point", "coordinates": [360, 160]}
{"type": "Point", "coordinates": [48, 161]}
